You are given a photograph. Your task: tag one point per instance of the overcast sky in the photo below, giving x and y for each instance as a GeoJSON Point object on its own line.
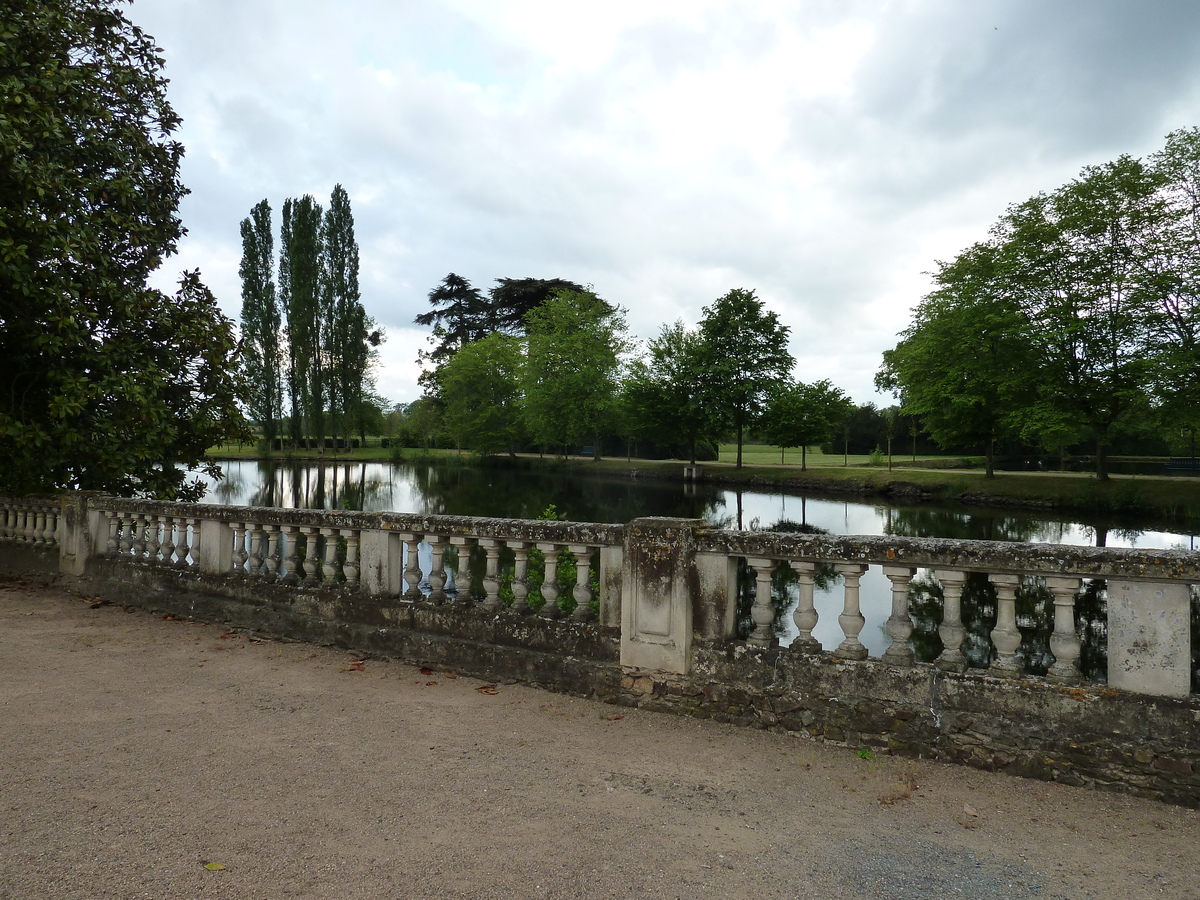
{"type": "Point", "coordinates": [824, 154]}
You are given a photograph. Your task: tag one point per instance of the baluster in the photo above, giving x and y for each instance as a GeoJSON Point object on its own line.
{"type": "Point", "coordinates": [350, 566]}
{"type": "Point", "coordinates": [491, 576]}
{"type": "Point", "coordinates": [462, 572]}
{"type": "Point", "coordinates": [52, 526]}
{"type": "Point", "coordinates": [951, 630]}
{"type": "Point", "coordinates": [255, 536]}
{"type": "Point", "coordinates": [1064, 642]}
{"type": "Point", "coordinates": [437, 569]}
{"type": "Point", "coordinates": [291, 563]}
{"type": "Point", "coordinates": [125, 526]}
{"type": "Point", "coordinates": [763, 610]}
{"type": "Point", "coordinates": [188, 543]}
{"type": "Point", "coordinates": [329, 569]}
{"type": "Point", "coordinates": [167, 547]}
{"type": "Point", "coordinates": [851, 618]}
{"type": "Point", "coordinates": [114, 528]}
{"type": "Point", "coordinates": [28, 520]}
{"type": "Point", "coordinates": [271, 563]}
{"type": "Point", "coordinates": [805, 615]}
{"type": "Point", "coordinates": [139, 536]}
{"type": "Point", "coordinates": [39, 528]}
{"type": "Point", "coordinates": [153, 539]}
{"type": "Point", "coordinates": [239, 547]}
{"type": "Point", "coordinates": [582, 592]}
{"type": "Point", "coordinates": [520, 579]}
{"type": "Point", "coordinates": [5, 521]}
{"type": "Point", "coordinates": [550, 590]}
{"type": "Point", "coordinates": [899, 623]}
{"type": "Point", "coordinates": [412, 566]}
{"type": "Point", "coordinates": [310, 564]}
{"type": "Point", "coordinates": [1006, 637]}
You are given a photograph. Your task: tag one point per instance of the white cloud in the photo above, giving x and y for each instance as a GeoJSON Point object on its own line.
{"type": "Point", "coordinates": [824, 154]}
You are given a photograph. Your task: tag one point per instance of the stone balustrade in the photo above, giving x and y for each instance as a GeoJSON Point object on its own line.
{"type": "Point", "coordinates": [671, 614]}
{"type": "Point", "coordinates": [29, 520]}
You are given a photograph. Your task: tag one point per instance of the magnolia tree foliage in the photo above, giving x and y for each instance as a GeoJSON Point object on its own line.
{"type": "Point", "coordinates": [107, 384]}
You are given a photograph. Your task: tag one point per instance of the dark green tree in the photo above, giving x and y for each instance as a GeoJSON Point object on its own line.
{"type": "Point", "coordinates": [745, 357]}
{"type": "Point", "coordinates": [512, 299]}
{"type": "Point", "coordinates": [300, 289]}
{"type": "Point", "coordinates": [348, 333]}
{"type": "Point", "coordinates": [800, 415]}
{"type": "Point", "coordinates": [107, 384]}
{"type": "Point", "coordinates": [459, 315]}
{"type": "Point", "coordinates": [572, 365]}
{"type": "Point", "coordinates": [262, 349]}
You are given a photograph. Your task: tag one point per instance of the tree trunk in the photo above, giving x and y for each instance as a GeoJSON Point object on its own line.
{"type": "Point", "coordinates": [1102, 458]}
{"type": "Point", "coordinates": [846, 450]}
{"type": "Point", "coordinates": [989, 458]}
{"type": "Point", "coordinates": [803, 457]}
{"type": "Point", "coordinates": [889, 440]}
{"type": "Point", "coordinates": [596, 449]}
{"type": "Point", "coordinates": [739, 442]}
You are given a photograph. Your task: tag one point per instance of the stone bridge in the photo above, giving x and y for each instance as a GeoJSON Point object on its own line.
{"type": "Point", "coordinates": [650, 617]}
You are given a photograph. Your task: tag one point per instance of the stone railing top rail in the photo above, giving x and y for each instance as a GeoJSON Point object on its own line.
{"type": "Point", "coordinates": [530, 530]}
{"type": "Point", "coordinates": [948, 554]}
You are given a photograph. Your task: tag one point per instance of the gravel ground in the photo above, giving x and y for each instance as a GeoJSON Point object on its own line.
{"type": "Point", "coordinates": [143, 757]}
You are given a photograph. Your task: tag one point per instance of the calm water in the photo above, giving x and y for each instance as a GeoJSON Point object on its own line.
{"type": "Point", "coordinates": [454, 488]}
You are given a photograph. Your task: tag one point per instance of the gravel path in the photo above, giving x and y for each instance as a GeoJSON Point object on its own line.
{"type": "Point", "coordinates": [142, 757]}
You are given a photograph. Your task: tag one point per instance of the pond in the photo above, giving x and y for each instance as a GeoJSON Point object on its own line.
{"type": "Point", "coordinates": [452, 487]}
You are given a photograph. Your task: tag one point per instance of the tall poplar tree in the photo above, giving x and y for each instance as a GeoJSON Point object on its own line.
{"type": "Point", "coordinates": [300, 291]}
{"type": "Point", "coordinates": [261, 321]}
{"type": "Point", "coordinates": [348, 333]}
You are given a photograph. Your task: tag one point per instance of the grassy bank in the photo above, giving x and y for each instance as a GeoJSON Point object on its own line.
{"type": "Point", "coordinates": [1175, 498]}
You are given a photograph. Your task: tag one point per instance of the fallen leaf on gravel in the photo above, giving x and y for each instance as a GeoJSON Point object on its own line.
{"type": "Point", "coordinates": [426, 671]}
{"type": "Point", "coordinates": [449, 675]}
{"type": "Point", "coordinates": [487, 689]}
{"type": "Point", "coordinates": [229, 634]}
{"type": "Point", "coordinates": [355, 666]}
{"type": "Point", "coordinates": [970, 811]}
{"type": "Point", "coordinates": [430, 683]}
{"type": "Point", "coordinates": [214, 867]}
{"type": "Point", "coordinates": [615, 718]}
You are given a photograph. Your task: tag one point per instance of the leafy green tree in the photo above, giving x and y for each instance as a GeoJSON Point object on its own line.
{"type": "Point", "coordinates": [261, 322]}
{"type": "Point", "coordinates": [1075, 263]}
{"type": "Point", "coordinates": [1174, 277]}
{"type": "Point", "coordinates": [662, 393]}
{"type": "Point", "coordinates": [965, 364]}
{"type": "Point", "coordinates": [300, 288]}
{"type": "Point", "coordinates": [107, 383]}
{"type": "Point", "coordinates": [481, 389]}
{"type": "Point", "coordinates": [799, 415]}
{"type": "Point", "coordinates": [745, 355]}
{"type": "Point", "coordinates": [573, 361]}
